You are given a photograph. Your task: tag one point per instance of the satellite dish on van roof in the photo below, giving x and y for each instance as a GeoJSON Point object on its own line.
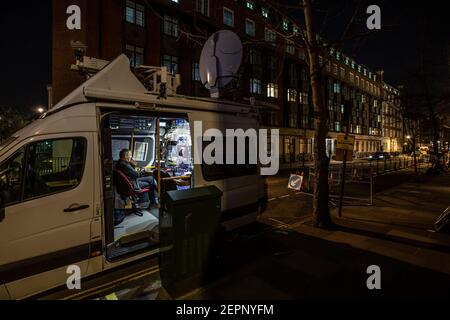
{"type": "Point", "coordinates": [220, 60]}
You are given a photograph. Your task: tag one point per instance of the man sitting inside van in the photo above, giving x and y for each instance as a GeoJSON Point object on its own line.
{"type": "Point", "coordinates": [127, 165]}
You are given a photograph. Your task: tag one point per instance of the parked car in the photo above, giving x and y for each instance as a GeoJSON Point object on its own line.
{"type": "Point", "coordinates": [379, 156]}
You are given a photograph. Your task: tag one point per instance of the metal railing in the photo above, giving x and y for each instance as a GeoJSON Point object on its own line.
{"type": "Point", "coordinates": [52, 165]}
{"type": "Point", "coordinates": [359, 177]}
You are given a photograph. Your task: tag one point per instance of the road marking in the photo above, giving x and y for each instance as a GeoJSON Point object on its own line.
{"type": "Point", "coordinates": [112, 296]}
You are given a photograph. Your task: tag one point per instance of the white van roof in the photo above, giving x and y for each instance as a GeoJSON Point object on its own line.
{"type": "Point", "coordinates": [116, 76]}
{"type": "Point", "coordinates": [117, 83]}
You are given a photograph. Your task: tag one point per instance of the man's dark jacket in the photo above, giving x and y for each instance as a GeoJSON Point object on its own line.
{"type": "Point", "coordinates": [129, 171]}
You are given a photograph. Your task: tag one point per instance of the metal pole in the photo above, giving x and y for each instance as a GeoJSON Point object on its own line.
{"type": "Point", "coordinates": [371, 189]}
{"type": "Point", "coordinates": [344, 168]}
{"type": "Point", "coordinates": [348, 107]}
{"type": "Point", "coordinates": [158, 145]}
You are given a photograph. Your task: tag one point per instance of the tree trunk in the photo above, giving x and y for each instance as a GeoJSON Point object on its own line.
{"type": "Point", "coordinates": [321, 211]}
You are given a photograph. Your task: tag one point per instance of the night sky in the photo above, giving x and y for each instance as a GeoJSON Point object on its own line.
{"type": "Point", "coordinates": [25, 53]}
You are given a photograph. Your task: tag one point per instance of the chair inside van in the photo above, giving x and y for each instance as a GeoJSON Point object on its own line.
{"type": "Point", "coordinates": [137, 220]}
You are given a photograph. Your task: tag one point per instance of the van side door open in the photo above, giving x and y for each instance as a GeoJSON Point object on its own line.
{"type": "Point", "coordinates": [48, 192]}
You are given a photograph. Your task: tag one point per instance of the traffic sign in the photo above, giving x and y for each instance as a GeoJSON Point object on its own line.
{"type": "Point", "coordinates": [295, 182]}
{"type": "Point", "coordinates": [345, 142]}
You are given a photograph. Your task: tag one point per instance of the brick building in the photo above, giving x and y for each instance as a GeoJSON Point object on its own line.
{"type": "Point", "coordinates": [393, 131]}
{"type": "Point", "coordinates": [171, 33]}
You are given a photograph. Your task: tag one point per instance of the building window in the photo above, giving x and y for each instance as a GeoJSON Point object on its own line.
{"type": "Point", "coordinates": [292, 95]}
{"type": "Point", "coordinates": [272, 90]}
{"type": "Point", "coordinates": [203, 7]}
{"type": "Point", "coordinates": [353, 65]}
{"type": "Point", "coordinates": [285, 24]}
{"type": "Point", "coordinates": [296, 30]}
{"type": "Point", "coordinates": [249, 27]}
{"type": "Point", "coordinates": [303, 75]}
{"type": "Point", "coordinates": [254, 57]}
{"type": "Point", "coordinates": [196, 72]}
{"type": "Point", "coordinates": [171, 63]}
{"type": "Point", "coordinates": [359, 69]}
{"type": "Point", "coordinates": [342, 72]}
{"type": "Point", "coordinates": [135, 54]}
{"type": "Point", "coordinates": [347, 61]}
{"type": "Point", "coordinates": [265, 12]}
{"type": "Point", "coordinates": [335, 69]}
{"type": "Point", "coordinates": [171, 26]}
{"type": "Point", "coordinates": [270, 36]}
{"type": "Point", "coordinates": [290, 47]}
{"type": "Point", "coordinates": [352, 77]}
{"type": "Point", "coordinates": [255, 86]}
{"type": "Point", "coordinates": [301, 54]}
{"type": "Point", "coordinates": [337, 88]}
{"type": "Point", "coordinates": [365, 72]}
{"type": "Point", "coordinates": [303, 98]}
{"type": "Point", "coordinates": [228, 17]}
{"type": "Point", "coordinates": [337, 126]}
{"type": "Point", "coordinates": [250, 5]}
{"type": "Point", "coordinates": [338, 56]}
{"type": "Point", "coordinates": [135, 13]}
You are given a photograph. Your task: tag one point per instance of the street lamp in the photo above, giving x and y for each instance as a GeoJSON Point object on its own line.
{"type": "Point", "coordinates": [40, 110]}
{"type": "Point", "coordinates": [408, 137]}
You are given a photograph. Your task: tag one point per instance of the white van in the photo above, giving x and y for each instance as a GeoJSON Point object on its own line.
{"type": "Point", "coordinates": [58, 194]}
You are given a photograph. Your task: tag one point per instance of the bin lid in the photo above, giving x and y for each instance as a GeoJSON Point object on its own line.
{"type": "Point", "coordinates": [191, 195]}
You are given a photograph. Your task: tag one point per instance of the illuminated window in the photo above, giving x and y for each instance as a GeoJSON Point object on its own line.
{"type": "Point", "coordinates": [272, 90]}
{"type": "Point", "coordinates": [337, 126]}
{"type": "Point", "coordinates": [196, 72]}
{"type": "Point", "coordinates": [296, 30]}
{"type": "Point", "coordinates": [292, 95]}
{"type": "Point", "coordinates": [228, 17]}
{"type": "Point", "coordinates": [170, 26]}
{"type": "Point", "coordinates": [171, 63]}
{"type": "Point", "coordinates": [255, 86]}
{"type": "Point", "coordinates": [337, 88]}
{"type": "Point", "coordinates": [290, 47]}
{"type": "Point", "coordinates": [265, 12]}
{"type": "Point", "coordinates": [250, 5]}
{"type": "Point", "coordinates": [135, 13]}
{"type": "Point", "coordinates": [285, 24]}
{"type": "Point", "coordinates": [135, 54]}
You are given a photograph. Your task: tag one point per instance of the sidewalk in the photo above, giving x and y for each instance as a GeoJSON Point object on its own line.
{"type": "Point", "coordinates": [297, 261]}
